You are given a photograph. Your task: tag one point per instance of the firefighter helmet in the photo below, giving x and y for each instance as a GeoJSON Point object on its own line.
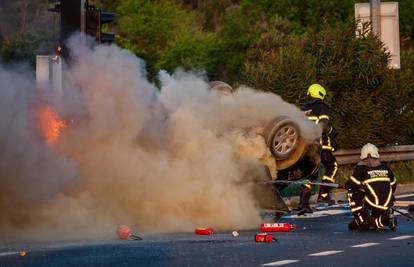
{"type": "Point", "coordinates": [369, 150]}
{"type": "Point", "coordinates": [316, 91]}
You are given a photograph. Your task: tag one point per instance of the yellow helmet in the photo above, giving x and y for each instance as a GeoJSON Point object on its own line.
{"type": "Point", "coordinates": [316, 91]}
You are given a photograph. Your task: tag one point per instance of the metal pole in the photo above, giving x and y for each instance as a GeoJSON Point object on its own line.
{"type": "Point", "coordinates": [403, 214]}
{"type": "Point", "coordinates": [375, 11]}
{"type": "Point", "coordinates": [83, 4]}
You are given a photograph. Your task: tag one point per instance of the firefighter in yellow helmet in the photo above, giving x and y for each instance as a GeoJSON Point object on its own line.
{"type": "Point", "coordinates": [371, 192]}
{"type": "Point", "coordinates": [317, 111]}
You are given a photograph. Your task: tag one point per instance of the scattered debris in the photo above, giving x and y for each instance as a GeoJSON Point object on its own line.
{"type": "Point", "coordinates": [203, 231]}
{"type": "Point", "coordinates": [264, 238]}
{"type": "Point", "coordinates": [125, 233]}
{"type": "Point", "coordinates": [235, 233]}
{"type": "Point", "coordinates": [278, 227]}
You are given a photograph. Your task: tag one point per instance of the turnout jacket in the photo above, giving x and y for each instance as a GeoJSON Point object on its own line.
{"type": "Point", "coordinates": [318, 112]}
{"type": "Point", "coordinates": [371, 186]}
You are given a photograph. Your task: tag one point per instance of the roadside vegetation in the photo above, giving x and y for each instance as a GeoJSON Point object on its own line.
{"type": "Point", "coordinates": [277, 46]}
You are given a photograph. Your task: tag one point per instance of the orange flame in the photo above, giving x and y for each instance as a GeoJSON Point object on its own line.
{"type": "Point", "coordinates": [50, 124]}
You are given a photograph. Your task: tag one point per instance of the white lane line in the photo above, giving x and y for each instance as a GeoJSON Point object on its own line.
{"type": "Point", "coordinates": [403, 203]}
{"type": "Point", "coordinates": [3, 254]}
{"type": "Point", "coordinates": [279, 263]}
{"type": "Point", "coordinates": [365, 245]}
{"type": "Point", "coordinates": [401, 237]}
{"type": "Point", "coordinates": [403, 196]}
{"type": "Point", "coordinates": [326, 253]}
{"type": "Point", "coordinates": [317, 214]}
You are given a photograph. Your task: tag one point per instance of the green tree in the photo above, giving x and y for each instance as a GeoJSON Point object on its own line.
{"type": "Point", "coordinates": [193, 50]}
{"type": "Point", "coordinates": [369, 101]}
{"type": "Point", "coordinates": [303, 15]}
{"type": "Point", "coordinates": [26, 29]}
{"type": "Point", "coordinates": [148, 27]}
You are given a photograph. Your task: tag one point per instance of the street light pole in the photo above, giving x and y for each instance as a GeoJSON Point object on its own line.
{"type": "Point", "coordinates": [375, 11]}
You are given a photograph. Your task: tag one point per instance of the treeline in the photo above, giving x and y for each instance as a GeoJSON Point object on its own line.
{"type": "Point", "coordinates": [280, 46]}
{"type": "Point", "coordinates": [26, 29]}
{"type": "Point", "coordinates": [283, 46]}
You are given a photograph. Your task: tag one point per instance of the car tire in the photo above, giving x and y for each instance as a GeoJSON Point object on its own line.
{"type": "Point", "coordinates": [282, 136]}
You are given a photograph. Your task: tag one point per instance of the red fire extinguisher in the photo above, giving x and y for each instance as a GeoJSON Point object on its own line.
{"type": "Point", "coordinates": [203, 231]}
{"type": "Point", "coordinates": [264, 237]}
{"type": "Point", "coordinates": [277, 227]}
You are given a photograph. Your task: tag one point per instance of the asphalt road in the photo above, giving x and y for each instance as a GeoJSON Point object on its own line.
{"type": "Point", "coordinates": [321, 240]}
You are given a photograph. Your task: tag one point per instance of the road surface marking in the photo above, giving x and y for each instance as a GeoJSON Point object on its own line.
{"type": "Point", "coordinates": [317, 214]}
{"type": "Point", "coordinates": [326, 253]}
{"type": "Point", "coordinates": [365, 245]}
{"type": "Point", "coordinates": [401, 237]}
{"type": "Point", "coordinates": [403, 203]}
{"type": "Point", "coordinates": [279, 263]}
{"type": "Point", "coordinates": [404, 196]}
{"type": "Point", "coordinates": [3, 254]}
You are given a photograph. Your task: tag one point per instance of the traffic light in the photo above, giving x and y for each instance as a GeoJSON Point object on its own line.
{"type": "Point", "coordinates": [80, 16]}
{"type": "Point", "coordinates": [95, 18]}
{"type": "Point", "coordinates": [70, 17]}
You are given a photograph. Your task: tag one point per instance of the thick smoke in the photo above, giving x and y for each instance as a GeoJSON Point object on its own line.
{"type": "Point", "coordinates": [157, 159]}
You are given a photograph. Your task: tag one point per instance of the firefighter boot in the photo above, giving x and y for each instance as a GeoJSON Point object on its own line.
{"type": "Point", "coordinates": [324, 195]}
{"type": "Point", "coordinates": [392, 221]}
{"type": "Point", "coordinates": [355, 226]}
{"type": "Point", "coordinates": [305, 194]}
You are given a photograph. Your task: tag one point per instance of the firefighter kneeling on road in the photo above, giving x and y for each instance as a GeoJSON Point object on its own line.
{"type": "Point", "coordinates": [371, 192]}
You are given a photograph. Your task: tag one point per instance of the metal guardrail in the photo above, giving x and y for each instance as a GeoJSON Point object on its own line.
{"type": "Point", "coordinates": [389, 153]}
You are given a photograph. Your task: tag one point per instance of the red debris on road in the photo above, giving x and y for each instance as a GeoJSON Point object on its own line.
{"type": "Point", "coordinates": [277, 227]}
{"type": "Point", "coordinates": [203, 231]}
{"type": "Point", "coordinates": [264, 238]}
{"type": "Point", "coordinates": [125, 233]}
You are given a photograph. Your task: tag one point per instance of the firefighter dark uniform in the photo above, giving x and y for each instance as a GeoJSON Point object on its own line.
{"type": "Point", "coordinates": [371, 194]}
{"type": "Point", "coordinates": [317, 111]}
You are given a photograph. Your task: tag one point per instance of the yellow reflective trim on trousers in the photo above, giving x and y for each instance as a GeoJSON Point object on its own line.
{"type": "Point", "coordinates": [360, 218]}
{"type": "Point", "coordinates": [321, 117]}
{"type": "Point", "coordinates": [376, 222]}
{"type": "Point", "coordinates": [327, 178]}
{"type": "Point", "coordinates": [380, 223]}
{"type": "Point", "coordinates": [350, 202]}
{"type": "Point", "coordinates": [375, 205]}
{"type": "Point", "coordinates": [356, 209]}
{"type": "Point", "coordinates": [373, 193]}
{"type": "Point", "coordinates": [388, 198]}
{"type": "Point", "coordinates": [378, 179]}
{"type": "Point", "coordinates": [353, 179]}
{"type": "Point", "coordinates": [335, 170]}
{"type": "Point", "coordinates": [324, 194]}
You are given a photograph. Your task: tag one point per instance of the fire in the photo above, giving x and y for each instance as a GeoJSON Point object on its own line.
{"type": "Point", "coordinates": [50, 124]}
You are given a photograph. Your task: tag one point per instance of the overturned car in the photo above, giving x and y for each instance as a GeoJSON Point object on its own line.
{"type": "Point", "coordinates": [284, 152]}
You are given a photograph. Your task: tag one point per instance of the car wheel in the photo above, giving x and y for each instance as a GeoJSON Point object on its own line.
{"type": "Point", "coordinates": [284, 140]}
